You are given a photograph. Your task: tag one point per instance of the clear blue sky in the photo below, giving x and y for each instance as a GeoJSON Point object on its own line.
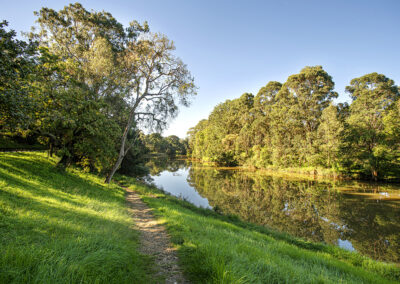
{"type": "Point", "coordinates": [232, 47]}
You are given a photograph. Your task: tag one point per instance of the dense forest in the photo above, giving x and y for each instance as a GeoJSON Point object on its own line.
{"type": "Point", "coordinates": [85, 87]}
{"type": "Point", "coordinates": [297, 125]}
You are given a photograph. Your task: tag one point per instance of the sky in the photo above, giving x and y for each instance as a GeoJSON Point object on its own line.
{"type": "Point", "coordinates": [233, 47]}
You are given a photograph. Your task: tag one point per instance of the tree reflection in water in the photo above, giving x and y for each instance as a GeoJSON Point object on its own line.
{"type": "Point", "coordinates": [359, 216]}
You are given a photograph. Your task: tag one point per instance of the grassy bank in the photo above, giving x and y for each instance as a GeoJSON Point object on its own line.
{"type": "Point", "coordinates": [223, 249]}
{"type": "Point", "coordinates": [63, 227]}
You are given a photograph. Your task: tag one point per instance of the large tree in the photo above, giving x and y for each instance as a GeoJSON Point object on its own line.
{"type": "Point", "coordinates": [157, 81]}
{"type": "Point", "coordinates": [296, 115]}
{"type": "Point", "coordinates": [369, 141]}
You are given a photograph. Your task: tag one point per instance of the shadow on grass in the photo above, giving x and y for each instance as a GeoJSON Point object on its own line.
{"type": "Point", "coordinates": [56, 227]}
{"type": "Point", "coordinates": [52, 216]}
{"type": "Point", "coordinates": [44, 172]}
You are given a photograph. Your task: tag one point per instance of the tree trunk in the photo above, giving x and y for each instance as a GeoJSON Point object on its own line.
{"type": "Point", "coordinates": [374, 175]}
{"type": "Point", "coordinates": [122, 150]}
{"type": "Point", "coordinates": [114, 169]}
{"type": "Point", "coordinates": [51, 150]}
{"type": "Point", "coordinates": [64, 162]}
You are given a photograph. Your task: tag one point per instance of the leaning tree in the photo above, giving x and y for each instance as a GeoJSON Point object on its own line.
{"type": "Point", "coordinates": [157, 81]}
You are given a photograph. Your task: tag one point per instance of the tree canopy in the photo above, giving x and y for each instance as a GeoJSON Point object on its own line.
{"type": "Point", "coordinates": [84, 85]}
{"type": "Point", "coordinates": [296, 124]}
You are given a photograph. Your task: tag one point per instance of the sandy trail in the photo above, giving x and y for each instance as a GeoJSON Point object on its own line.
{"type": "Point", "coordinates": [154, 240]}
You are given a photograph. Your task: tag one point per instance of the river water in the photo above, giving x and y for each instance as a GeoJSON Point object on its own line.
{"type": "Point", "coordinates": [364, 217]}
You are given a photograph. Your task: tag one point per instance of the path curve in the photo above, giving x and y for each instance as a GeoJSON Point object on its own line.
{"type": "Point", "coordinates": [154, 240]}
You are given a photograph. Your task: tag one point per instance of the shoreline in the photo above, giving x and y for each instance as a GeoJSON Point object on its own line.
{"type": "Point", "coordinates": [309, 173]}
{"type": "Point", "coordinates": [204, 238]}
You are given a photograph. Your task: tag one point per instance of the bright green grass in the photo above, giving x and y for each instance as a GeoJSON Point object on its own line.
{"type": "Point", "coordinates": [223, 249]}
{"type": "Point", "coordinates": [64, 227]}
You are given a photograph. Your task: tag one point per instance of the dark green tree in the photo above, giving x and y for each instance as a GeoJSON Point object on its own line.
{"type": "Point", "coordinates": [299, 106]}
{"type": "Point", "coordinates": [369, 148]}
{"type": "Point", "coordinates": [17, 64]}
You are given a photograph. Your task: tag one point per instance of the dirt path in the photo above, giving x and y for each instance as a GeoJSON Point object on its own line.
{"type": "Point", "coordinates": [154, 240]}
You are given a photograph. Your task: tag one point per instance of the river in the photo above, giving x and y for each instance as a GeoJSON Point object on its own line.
{"type": "Point", "coordinates": [359, 216]}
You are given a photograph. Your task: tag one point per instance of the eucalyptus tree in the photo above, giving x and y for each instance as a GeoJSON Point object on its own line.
{"type": "Point", "coordinates": [128, 74]}
{"type": "Point", "coordinates": [301, 101]}
{"type": "Point", "coordinates": [157, 81]}
{"type": "Point", "coordinates": [90, 43]}
{"type": "Point", "coordinates": [266, 96]}
{"type": "Point", "coordinates": [369, 146]}
{"type": "Point", "coordinates": [83, 93]}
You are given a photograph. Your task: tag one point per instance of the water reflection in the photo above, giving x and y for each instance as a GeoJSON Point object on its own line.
{"type": "Point", "coordinates": [176, 184]}
{"type": "Point", "coordinates": [356, 216]}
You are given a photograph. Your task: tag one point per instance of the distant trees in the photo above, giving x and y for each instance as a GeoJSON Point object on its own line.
{"type": "Point", "coordinates": [171, 145]}
{"type": "Point", "coordinates": [296, 124]}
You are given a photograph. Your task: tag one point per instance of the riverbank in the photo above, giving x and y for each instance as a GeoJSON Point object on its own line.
{"type": "Point", "coordinates": [223, 249]}
{"type": "Point", "coordinates": [64, 227]}
{"type": "Point", "coordinates": [316, 173]}
{"type": "Point", "coordinates": [68, 227]}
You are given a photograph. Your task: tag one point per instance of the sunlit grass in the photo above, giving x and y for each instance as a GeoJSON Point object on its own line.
{"type": "Point", "coordinates": [64, 227]}
{"type": "Point", "coordinates": [223, 249]}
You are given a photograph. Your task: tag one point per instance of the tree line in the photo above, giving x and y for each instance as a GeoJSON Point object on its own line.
{"type": "Point", "coordinates": [85, 86]}
{"type": "Point", "coordinates": [296, 124]}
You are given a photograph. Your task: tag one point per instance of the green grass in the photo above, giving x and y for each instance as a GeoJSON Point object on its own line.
{"type": "Point", "coordinates": [64, 227]}
{"type": "Point", "coordinates": [222, 249]}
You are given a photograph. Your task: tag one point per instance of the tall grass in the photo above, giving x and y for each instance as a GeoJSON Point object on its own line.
{"type": "Point", "coordinates": [64, 227]}
{"type": "Point", "coordinates": [222, 249]}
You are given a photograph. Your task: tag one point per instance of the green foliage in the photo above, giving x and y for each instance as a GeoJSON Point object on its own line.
{"type": "Point", "coordinates": [171, 145]}
{"type": "Point", "coordinates": [329, 137]}
{"type": "Point", "coordinates": [83, 83]}
{"type": "Point", "coordinates": [156, 82]}
{"type": "Point", "coordinates": [372, 128]}
{"type": "Point", "coordinates": [220, 249]}
{"type": "Point", "coordinates": [78, 84]}
{"type": "Point", "coordinates": [64, 227]}
{"type": "Point", "coordinates": [70, 120]}
{"type": "Point", "coordinates": [295, 124]}
{"type": "Point", "coordinates": [134, 161]}
{"type": "Point", "coordinates": [16, 66]}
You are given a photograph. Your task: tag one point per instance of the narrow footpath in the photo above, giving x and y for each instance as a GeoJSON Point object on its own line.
{"type": "Point", "coordinates": [154, 240]}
